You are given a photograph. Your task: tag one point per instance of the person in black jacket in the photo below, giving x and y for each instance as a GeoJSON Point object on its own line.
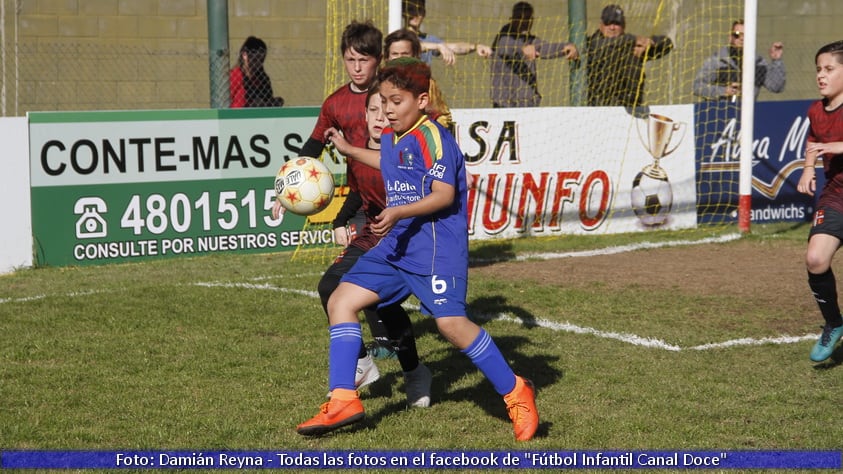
{"type": "Point", "coordinates": [616, 61]}
{"type": "Point", "coordinates": [514, 54]}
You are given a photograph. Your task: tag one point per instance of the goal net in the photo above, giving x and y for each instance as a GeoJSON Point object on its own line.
{"type": "Point", "coordinates": [564, 166]}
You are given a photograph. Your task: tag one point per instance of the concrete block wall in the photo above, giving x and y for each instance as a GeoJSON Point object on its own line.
{"type": "Point", "coordinates": [153, 54]}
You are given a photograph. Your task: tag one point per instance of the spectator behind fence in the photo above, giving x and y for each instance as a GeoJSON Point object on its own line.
{"type": "Point", "coordinates": [616, 61]}
{"type": "Point", "coordinates": [248, 82]}
{"type": "Point", "coordinates": [514, 54]}
{"type": "Point", "coordinates": [720, 75]}
{"type": "Point", "coordinates": [413, 12]}
{"type": "Point", "coordinates": [405, 42]}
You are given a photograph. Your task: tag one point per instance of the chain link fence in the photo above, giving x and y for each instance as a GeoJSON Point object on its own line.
{"type": "Point", "coordinates": [76, 76]}
{"type": "Point", "coordinates": [50, 62]}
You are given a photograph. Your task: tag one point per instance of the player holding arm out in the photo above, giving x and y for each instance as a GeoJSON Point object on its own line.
{"type": "Point", "coordinates": [423, 253]}
{"type": "Point", "coordinates": [825, 139]}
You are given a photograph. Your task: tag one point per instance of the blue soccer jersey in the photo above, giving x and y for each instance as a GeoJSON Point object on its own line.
{"type": "Point", "coordinates": [435, 244]}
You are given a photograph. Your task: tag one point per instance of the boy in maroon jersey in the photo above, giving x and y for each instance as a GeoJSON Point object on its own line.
{"type": "Point", "coordinates": [825, 139]}
{"type": "Point", "coordinates": [345, 111]}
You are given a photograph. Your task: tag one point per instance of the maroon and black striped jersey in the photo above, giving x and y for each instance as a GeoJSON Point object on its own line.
{"type": "Point", "coordinates": [826, 127]}
{"type": "Point", "coordinates": [344, 110]}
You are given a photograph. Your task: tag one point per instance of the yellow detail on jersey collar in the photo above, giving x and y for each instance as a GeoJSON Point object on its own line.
{"type": "Point", "coordinates": [415, 126]}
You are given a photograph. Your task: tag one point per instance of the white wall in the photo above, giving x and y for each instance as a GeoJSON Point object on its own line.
{"type": "Point", "coordinates": [16, 227]}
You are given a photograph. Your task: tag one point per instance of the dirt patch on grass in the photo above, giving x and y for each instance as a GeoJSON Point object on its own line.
{"type": "Point", "coordinates": [767, 274]}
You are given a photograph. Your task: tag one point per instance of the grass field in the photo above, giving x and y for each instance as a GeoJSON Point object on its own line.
{"type": "Point", "coordinates": [230, 352]}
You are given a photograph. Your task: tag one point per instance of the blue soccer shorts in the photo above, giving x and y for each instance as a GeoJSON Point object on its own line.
{"type": "Point", "coordinates": [438, 295]}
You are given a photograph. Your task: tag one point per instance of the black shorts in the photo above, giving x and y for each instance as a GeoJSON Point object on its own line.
{"type": "Point", "coordinates": [344, 261]}
{"type": "Point", "coordinates": [827, 221]}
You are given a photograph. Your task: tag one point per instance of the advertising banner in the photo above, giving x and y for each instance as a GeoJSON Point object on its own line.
{"type": "Point", "coordinates": [124, 186]}
{"type": "Point", "coordinates": [578, 170]}
{"type": "Point", "coordinates": [778, 149]}
{"type": "Point", "coordinates": [120, 186]}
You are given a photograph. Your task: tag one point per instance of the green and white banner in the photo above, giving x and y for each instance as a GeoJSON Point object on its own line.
{"type": "Point", "coordinates": [126, 186]}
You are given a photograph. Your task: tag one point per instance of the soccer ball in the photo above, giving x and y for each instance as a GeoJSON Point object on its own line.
{"type": "Point", "coordinates": [304, 186]}
{"type": "Point", "coordinates": [652, 198]}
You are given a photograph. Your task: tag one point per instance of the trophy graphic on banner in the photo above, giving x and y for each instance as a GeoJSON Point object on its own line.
{"type": "Point", "coordinates": [652, 195]}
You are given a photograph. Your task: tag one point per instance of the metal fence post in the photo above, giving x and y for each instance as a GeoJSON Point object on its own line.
{"type": "Point", "coordinates": [218, 53]}
{"type": "Point", "coordinates": [576, 25]}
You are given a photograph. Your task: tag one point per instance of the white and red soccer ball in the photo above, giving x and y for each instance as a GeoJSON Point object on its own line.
{"type": "Point", "coordinates": [304, 186]}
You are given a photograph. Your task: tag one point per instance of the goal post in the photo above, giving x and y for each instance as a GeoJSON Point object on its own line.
{"type": "Point", "coordinates": [747, 114]}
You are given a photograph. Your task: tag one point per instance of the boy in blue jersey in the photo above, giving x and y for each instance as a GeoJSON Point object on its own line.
{"type": "Point", "coordinates": [423, 252]}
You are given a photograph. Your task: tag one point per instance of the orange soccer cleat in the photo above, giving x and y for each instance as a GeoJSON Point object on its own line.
{"type": "Point", "coordinates": [521, 406]}
{"type": "Point", "coordinates": [344, 408]}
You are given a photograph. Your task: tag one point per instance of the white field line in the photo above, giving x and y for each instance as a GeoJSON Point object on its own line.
{"type": "Point", "coordinates": [557, 326]}
{"type": "Point", "coordinates": [573, 328]}
{"type": "Point", "coordinates": [625, 248]}
{"type": "Point", "coordinates": [41, 297]}
{"type": "Point", "coordinates": [543, 323]}
{"type": "Point", "coordinates": [756, 342]}
{"type": "Point", "coordinates": [276, 277]}
{"type": "Point", "coordinates": [646, 341]}
{"type": "Point", "coordinates": [253, 286]}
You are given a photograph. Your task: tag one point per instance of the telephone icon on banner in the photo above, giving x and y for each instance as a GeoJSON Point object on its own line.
{"type": "Point", "coordinates": [90, 224]}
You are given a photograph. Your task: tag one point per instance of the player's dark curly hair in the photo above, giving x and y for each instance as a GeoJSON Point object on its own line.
{"type": "Point", "coordinates": [409, 74]}
{"type": "Point", "coordinates": [835, 48]}
{"type": "Point", "coordinates": [364, 37]}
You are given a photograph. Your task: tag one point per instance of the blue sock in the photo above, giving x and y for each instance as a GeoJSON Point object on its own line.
{"type": "Point", "coordinates": [488, 358]}
{"type": "Point", "coordinates": [345, 342]}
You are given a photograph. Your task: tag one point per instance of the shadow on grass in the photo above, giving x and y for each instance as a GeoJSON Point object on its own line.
{"type": "Point", "coordinates": [491, 253]}
{"type": "Point", "coordinates": [488, 308]}
{"type": "Point", "coordinates": [449, 367]}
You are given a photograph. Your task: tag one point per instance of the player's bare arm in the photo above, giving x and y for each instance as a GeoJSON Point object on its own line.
{"type": "Point", "coordinates": [341, 236]}
{"type": "Point", "coordinates": [277, 209]}
{"type": "Point", "coordinates": [808, 183]}
{"type": "Point", "coordinates": [441, 196]}
{"type": "Point", "coordinates": [364, 155]}
{"type": "Point", "coordinates": [832, 148]}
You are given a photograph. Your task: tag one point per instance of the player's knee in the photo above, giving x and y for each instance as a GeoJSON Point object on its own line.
{"type": "Point", "coordinates": [458, 330]}
{"type": "Point", "coordinates": [816, 263]}
{"type": "Point", "coordinates": [341, 307]}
